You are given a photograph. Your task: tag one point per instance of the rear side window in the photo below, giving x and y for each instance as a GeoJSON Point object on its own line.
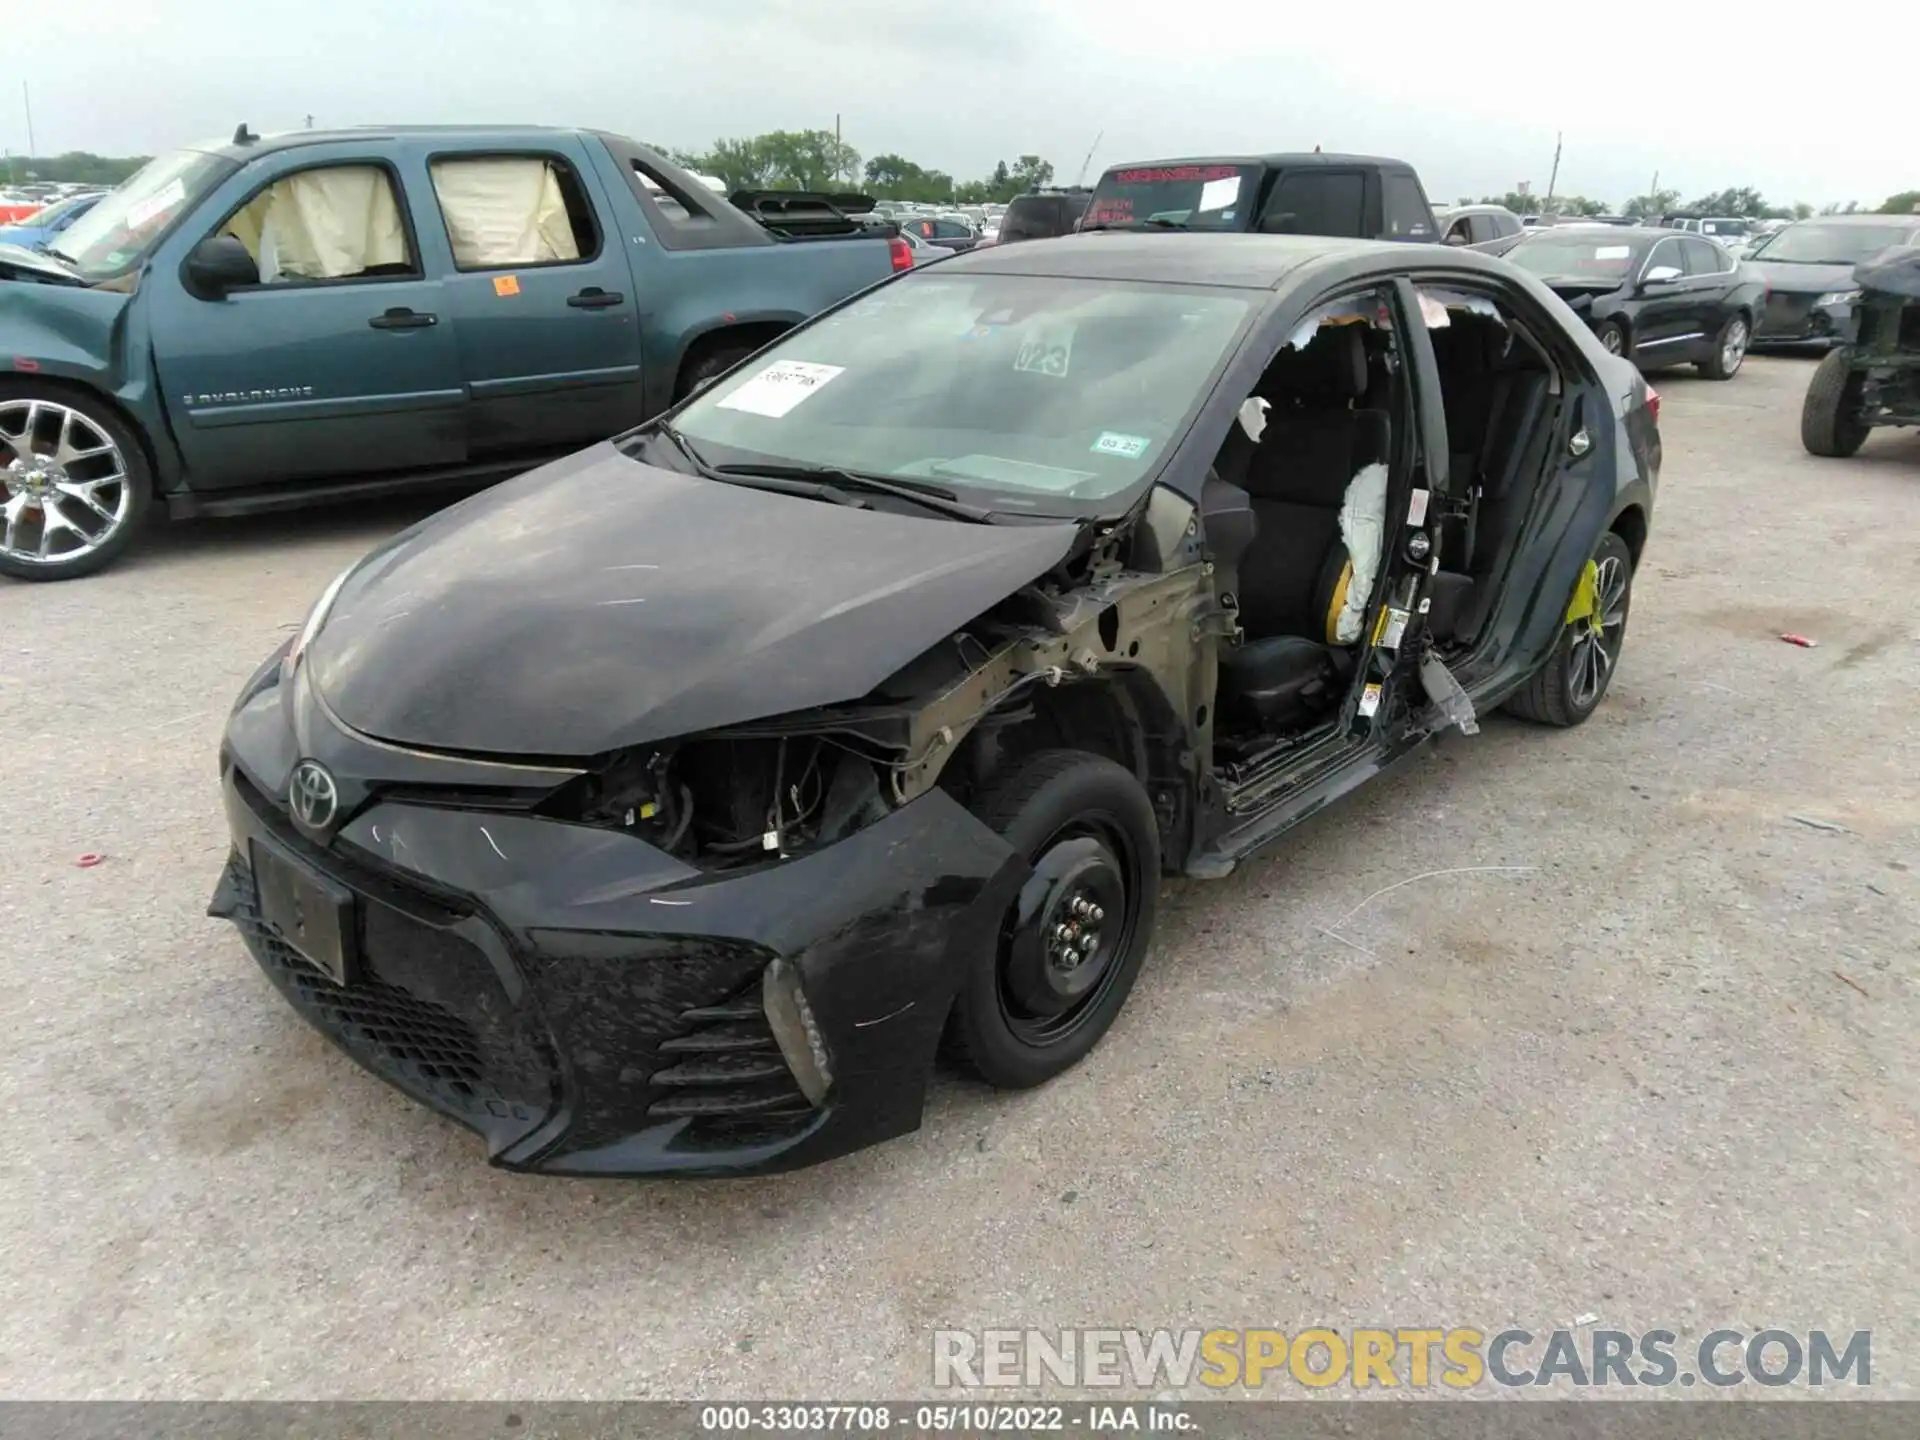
{"type": "Point", "coordinates": [1704, 257]}
{"type": "Point", "coordinates": [1035, 217]}
{"type": "Point", "coordinates": [513, 211]}
{"type": "Point", "coordinates": [1406, 207]}
{"type": "Point", "coordinates": [1317, 202]}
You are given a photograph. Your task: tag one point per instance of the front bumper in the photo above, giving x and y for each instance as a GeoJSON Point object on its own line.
{"type": "Point", "coordinates": [590, 1005]}
{"type": "Point", "coordinates": [1791, 319]}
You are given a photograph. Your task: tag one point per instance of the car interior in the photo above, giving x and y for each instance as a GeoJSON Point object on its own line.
{"type": "Point", "coordinates": [1500, 393]}
{"type": "Point", "coordinates": [1280, 510]}
{"type": "Point", "coordinates": [1294, 508]}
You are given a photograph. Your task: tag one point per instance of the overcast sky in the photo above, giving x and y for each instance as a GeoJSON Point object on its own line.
{"type": "Point", "coordinates": [1707, 95]}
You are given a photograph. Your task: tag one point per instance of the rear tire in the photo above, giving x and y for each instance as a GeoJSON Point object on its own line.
{"type": "Point", "coordinates": [1570, 686]}
{"type": "Point", "coordinates": [1729, 349]}
{"type": "Point", "coordinates": [1829, 418]}
{"type": "Point", "coordinates": [1071, 944]}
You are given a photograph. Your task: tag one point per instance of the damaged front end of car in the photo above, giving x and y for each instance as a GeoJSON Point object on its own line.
{"type": "Point", "coordinates": [726, 951]}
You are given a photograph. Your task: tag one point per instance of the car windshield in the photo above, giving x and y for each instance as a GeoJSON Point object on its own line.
{"type": "Point", "coordinates": [1193, 197]}
{"type": "Point", "coordinates": [1829, 244]}
{"type": "Point", "coordinates": [1032, 395]}
{"type": "Point", "coordinates": [113, 236]}
{"type": "Point", "coordinates": [1593, 256]}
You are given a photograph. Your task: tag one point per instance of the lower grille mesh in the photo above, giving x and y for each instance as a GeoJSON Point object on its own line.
{"type": "Point", "coordinates": [427, 1049]}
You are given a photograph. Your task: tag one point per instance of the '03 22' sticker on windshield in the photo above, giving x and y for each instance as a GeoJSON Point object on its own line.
{"type": "Point", "coordinates": [781, 386]}
{"type": "Point", "coordinates": [1127, 447]}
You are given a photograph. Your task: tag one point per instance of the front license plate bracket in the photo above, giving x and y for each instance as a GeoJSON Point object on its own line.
{"type": "Point", "coordinates": [309, 913]}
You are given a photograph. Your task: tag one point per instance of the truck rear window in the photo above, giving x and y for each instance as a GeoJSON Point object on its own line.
{"type": "Point", "coordinates": [1194, 197]}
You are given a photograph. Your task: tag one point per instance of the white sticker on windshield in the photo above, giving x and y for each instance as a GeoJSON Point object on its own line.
{"type": "Point", "coordinates": [1217, 194]}
{"type": "Point", "coordinates": [1127, 447]}
{"type": "Point", "coordinates": [1047, 351]}
{"type": "Point", "coordinates": [780, 387]}
{"type": "Point", "coordinates": [158, 203]}
{"type": "Point", "coordinates": [1613, 252]}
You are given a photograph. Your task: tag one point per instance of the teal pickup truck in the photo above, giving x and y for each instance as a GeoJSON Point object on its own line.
{"type": "Point", "coordinates": [323, 315]}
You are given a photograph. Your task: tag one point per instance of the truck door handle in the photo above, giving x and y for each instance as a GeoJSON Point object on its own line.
{"type": "Point", "coordinates": [401, 318]}
{"type": "Point", "coordinates": [594, 298]}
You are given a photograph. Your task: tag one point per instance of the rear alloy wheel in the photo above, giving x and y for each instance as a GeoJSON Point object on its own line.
{"type": "Point", "coordinates": [1570, 686]}
{"type": "Point", "coordinates": [1612, 337]}
{"type": "Point", "coordinates": [76, 486]}
{"type": "Point", "coordinates": [1830, 423]}
{"type": "Point", "coordinates": [1729, 350]}
{"type": "Point", "coordinates": [1072, 941]}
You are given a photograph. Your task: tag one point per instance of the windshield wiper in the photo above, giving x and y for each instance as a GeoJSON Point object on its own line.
{"type": "Point", "coordinates": [932, 497]}
{"type": "Point", "coordinates": [769, 478]}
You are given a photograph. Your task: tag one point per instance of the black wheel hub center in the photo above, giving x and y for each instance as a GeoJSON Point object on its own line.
{"type": "Point", "coordinates": [1069, 923]}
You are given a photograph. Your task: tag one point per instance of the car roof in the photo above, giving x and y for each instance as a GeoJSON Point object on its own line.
{"type": "Point", "coordinates": [1228, 258]}
{"type": "Point", "coordinates": [359, 134]}
{"type": "Point", "coordinates": [1276, 160]}
{"type": "Point", "coordinates": [1634, 233]}
{"type": "Point", "coordinates": [1858, 218]}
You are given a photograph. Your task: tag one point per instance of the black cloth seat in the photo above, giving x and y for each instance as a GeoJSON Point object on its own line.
{"type": "Point", "coordinates": [1293, 573]}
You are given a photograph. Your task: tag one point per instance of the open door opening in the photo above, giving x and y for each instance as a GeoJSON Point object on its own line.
{"type": "Point", "coordinates": [1296, 519]}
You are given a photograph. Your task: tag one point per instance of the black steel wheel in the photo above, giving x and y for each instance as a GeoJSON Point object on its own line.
{"type": "Point", "coordinates": [1570, 686]}
{"type": "Point", "coordinates": [1072, 942]}
{"type": "Point", "coordinates": [1830, 423]}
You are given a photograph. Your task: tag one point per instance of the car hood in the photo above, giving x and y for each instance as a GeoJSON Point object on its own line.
{"type": "Point", "coordinates": [1802, 279]}
{"type": "Point", "coordinates": [598, 603]}
{"type": "Point", "coordinates": [17, 262]}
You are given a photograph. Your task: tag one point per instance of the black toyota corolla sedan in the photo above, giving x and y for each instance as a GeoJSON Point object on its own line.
{"type": "Point", "coordinates": [1657, 297]}
{"type": "Point", "coordinates": [668, 809]}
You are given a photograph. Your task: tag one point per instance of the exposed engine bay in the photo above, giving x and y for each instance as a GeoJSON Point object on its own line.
{"type": "Point", "coordinates": [774, 788]}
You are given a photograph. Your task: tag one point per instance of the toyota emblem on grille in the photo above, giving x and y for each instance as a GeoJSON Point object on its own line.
{"type": "Point", "coordinates": [313, 795]}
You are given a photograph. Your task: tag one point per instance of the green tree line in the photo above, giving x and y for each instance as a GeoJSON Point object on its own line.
{"type": "Point", "coordinates": [1742, 200]}
{"type": "Point", "coordinates": [76, 167]}
{"type": "Point", "coordinates": [818, 160]}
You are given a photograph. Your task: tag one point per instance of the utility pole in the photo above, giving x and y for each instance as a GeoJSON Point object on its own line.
{"type": "Point", "coordinates": [1553, 178]}
{"type": "Point", "coordinates": [839, 170]}
{"type": "Point", "coordinates": [26, 101]}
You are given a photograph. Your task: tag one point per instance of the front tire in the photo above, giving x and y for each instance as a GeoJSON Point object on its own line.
{"type": "Point", "coordinates": [1071, 944]}
{"type": "Point", "coordinates": [1729, 350]}
{"type": "Point", "coordinates": [75, 487]}
{"type": "Point", "coordinates": [1830, 422]}
{"type": "Point", "coordinates": [1613, 337]}
{"type": "Point", "coordinates": [1570, 686]}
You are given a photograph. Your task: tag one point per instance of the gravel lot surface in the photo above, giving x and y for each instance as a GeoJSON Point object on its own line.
{"type": "Point", "coordinates": [1665, 1077]}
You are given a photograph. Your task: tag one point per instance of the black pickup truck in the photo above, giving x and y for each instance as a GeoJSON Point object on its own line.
{"type": "Point", "coordinates": [1364, 196]}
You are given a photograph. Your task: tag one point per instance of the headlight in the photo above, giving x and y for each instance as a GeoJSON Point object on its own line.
{"type": "Point", "coordinates": [1836, 297]}
{"type": "Point", "coordinates": [316, 618]}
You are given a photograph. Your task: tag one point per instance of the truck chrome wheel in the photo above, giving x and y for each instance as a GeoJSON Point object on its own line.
{"type": "Point", "coordinates": [68, 490]}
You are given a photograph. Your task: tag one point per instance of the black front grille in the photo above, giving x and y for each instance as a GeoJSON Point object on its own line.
{"type": "Point", "coordinates": [725, 1063]}
{"type": "Point", "coordinates": [427, 1013]}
